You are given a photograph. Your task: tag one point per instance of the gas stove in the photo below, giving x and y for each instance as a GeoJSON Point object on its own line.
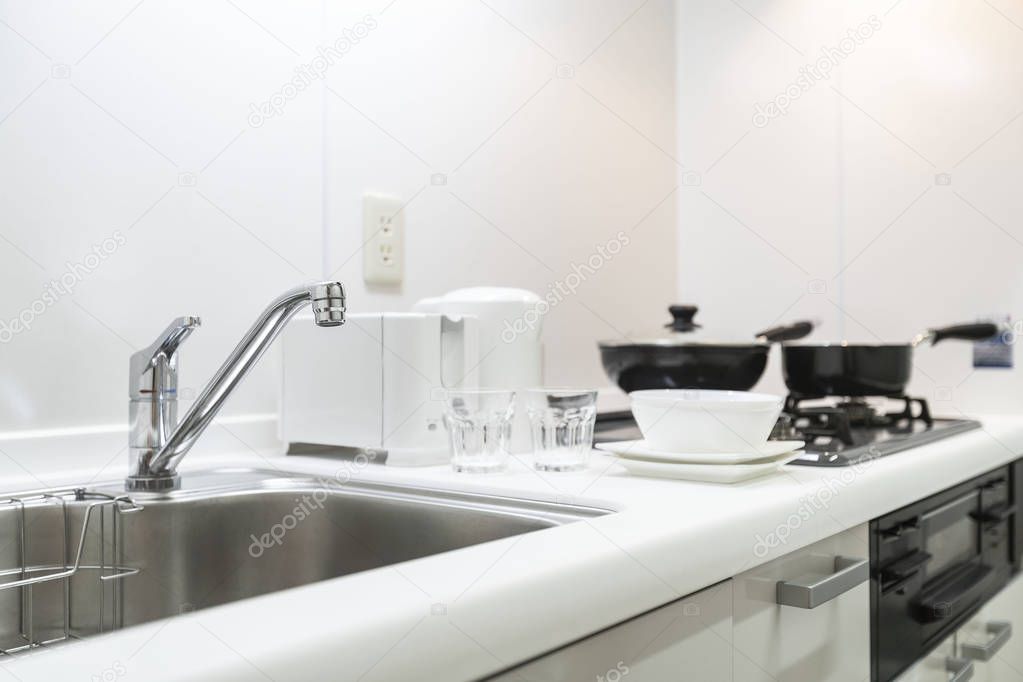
{"type": "Point", "coordinates": [853, 431]}
{"type": "Point", "coordinates": [837, 432]}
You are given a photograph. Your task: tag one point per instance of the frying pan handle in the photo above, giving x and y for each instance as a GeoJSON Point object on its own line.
{"type": "Point", "coordinates": [787, 332]}
{"type": "Point", "coordinates": [965, 332]}
{"type": "Point", "coordinates": [682, 318]}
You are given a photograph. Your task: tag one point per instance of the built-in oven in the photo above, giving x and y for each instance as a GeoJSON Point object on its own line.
{"type": "Point", "coordinates": [935, 562]}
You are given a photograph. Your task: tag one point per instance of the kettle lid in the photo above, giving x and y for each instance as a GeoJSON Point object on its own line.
{"type": "Point", "coordinates": [490, 295]}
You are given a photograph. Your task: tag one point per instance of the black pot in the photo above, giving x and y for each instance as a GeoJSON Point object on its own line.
{"type": "Point", "coordinates": [676, 362]}
{"type": "Point", "coordinates": [860, 370]}
{"type": "Point", "coordinates": [854, 371]}
{"type": "Point", "coordinates": [636, 367]}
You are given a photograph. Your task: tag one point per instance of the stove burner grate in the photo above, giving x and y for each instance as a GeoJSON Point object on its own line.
{"type": "Point", "coordinates": [837, 421]}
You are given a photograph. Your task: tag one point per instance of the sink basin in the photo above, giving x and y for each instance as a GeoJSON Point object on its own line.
{"type": "Point", "coordinates": [226, 535]}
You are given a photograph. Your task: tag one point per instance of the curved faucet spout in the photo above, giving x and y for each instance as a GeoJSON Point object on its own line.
{"type": "Point", "coordinates": [159, 472]}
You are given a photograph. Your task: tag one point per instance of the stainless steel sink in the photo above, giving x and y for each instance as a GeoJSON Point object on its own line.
{"type": "Point", "coordinates": [226, 535]}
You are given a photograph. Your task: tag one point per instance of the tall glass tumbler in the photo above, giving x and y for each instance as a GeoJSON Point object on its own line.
{"type": "Point", "coordinates": [479, 426]}
{"type": "Point", "coordinates": [561, 422]}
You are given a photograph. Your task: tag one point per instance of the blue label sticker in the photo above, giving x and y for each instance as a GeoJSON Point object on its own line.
{"type": "Point", "coordinates": [995, 352]}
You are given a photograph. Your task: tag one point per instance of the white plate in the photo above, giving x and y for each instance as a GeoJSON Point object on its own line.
{"type": "Point", "coordinates": [706, 473]}
{"type": "Point", "coordinates": [640, 449]}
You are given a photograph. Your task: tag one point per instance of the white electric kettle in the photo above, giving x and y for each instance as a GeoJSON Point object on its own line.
{"type": "Point", "coordinates": [510, 326]}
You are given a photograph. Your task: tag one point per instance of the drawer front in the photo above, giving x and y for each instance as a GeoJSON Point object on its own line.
{"type": "Point", "coordinates": [933, 667]}
{"type": "Point", "coordinates": [689, 639]}
{"type": "Point", "coordinates": [829, 642]}
{"type": "Point", "coordinates": [993, 639]}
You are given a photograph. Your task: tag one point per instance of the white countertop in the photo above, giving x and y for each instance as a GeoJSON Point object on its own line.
{"type": "Point", "coordinates": [475, 611]}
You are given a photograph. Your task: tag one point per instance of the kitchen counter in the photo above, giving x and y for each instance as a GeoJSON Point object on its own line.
{"type": "Point", "coordinates": [478, 610]}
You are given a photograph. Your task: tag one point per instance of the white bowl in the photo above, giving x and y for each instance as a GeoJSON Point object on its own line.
{"type": "Point", "coordinates": [691, 420]}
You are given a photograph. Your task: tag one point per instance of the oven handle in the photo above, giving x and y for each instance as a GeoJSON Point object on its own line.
{"type": "Point", "coordinates": [1001, 632]}
{"type": "Point", "coordinates": [961, 669]}
{"type": "Point", "coordinates": [810, 594]}
{"type": "Point", "coordinates": [954, 598]}
{"type": "Point", "coordinates": [996, 514]}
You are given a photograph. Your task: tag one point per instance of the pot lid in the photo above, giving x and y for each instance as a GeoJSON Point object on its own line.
{"type": "Point", "coordinates": [684, 330]}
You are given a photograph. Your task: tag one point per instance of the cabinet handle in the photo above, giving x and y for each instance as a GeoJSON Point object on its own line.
{"type": "Point", "coordinates": [1000, 631]}
{"type": "Point", "coordinates": [809, 595]}
{"type": "Point", "coordinates": [960, 668]}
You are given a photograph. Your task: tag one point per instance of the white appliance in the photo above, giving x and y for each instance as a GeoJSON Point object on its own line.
{"type": "Point", "coordinates": [376, 384]}
{"type": "Point", "coordinates": [510, 347]}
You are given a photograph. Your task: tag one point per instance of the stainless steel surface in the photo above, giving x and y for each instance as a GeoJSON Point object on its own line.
{"type": "Point", "coordinates": [1000, 631]}
{"type": "Point", "coordinates": [43, 556]}
{"type": "Point", "coordinates": [153, 393]}
{"type": "Point", "coordinates": [228, 535]}
{"type": "Point", "coordinates": [961, 669]}
{"type": "Point", "coordinates": [157, 470]}
{"type": "Point", "coordinates": [809, 594]}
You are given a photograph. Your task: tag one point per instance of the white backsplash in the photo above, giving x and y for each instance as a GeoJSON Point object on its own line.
{"type": "Point", "coordinates": [838, 210]}
{"type": "Point", "coordinates": [522, 136]}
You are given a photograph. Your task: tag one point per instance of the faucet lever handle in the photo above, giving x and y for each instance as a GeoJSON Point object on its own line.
{"type": "Point", "coordinates": [174, 335]}
{"type": "Point", "coordinates": [153, 369]}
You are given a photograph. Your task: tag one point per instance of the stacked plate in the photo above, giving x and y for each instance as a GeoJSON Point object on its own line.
{"type": "Point", "coordinates": [640, 459]}
{"type": "Point", "coordinates": [700, 435]}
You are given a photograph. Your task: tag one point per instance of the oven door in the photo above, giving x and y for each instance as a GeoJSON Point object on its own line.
{"type": "Point", "coordinates": [956, 580]}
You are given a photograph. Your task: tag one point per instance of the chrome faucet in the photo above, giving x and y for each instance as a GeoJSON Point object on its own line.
{"type": "Point", "coordinates": [153, 393]}
{"type": "Point", "coordinates": [157, 443]}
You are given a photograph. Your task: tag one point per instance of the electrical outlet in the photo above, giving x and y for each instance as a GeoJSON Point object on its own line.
{"type": "Point", "coordinates": [383, 252]}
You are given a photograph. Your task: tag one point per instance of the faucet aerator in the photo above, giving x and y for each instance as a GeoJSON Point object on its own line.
{"type": "Point", "coordinates": [329, 318]}
{"type": "Point", "coordinates": [328, 302]}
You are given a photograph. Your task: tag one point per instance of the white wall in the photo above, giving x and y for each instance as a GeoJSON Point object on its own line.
{"type": "Point", "coordinates": [131, 122]}
{"type": "Point", "coordinates": [832, 211]}
{"type": "Point", "coordinates": [540, 169]}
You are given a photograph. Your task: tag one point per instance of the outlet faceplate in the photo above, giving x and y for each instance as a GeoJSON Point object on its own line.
{"type": "Point", "coordinates": [383, 251]}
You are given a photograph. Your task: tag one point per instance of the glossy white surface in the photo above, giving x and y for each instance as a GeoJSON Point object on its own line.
{"type": "Point", "coordinates": [851, 208]}
{"type": "Point", "coordinates": [120, 118]}
{"type": "Point", "coordinates": [475, 611]}
{"type": "Point", "coordinates": [375, 382]}
{"type": "Point", "coordinates": [640, 449]}
{"type": "Point", "coordinates": [510, 328]}
{"type": "Point", "coordinates": [692, 634]}
{"type": "Point", "coordinates": [701, 398]}
{"type": "Point", "coordinates": [1007, 663]}
{"type": "Point", "coordinates": [510, 343]}
{"type": "Point", "coordinates": [705, 421]}
{"type": "Point", "coordinates": [934, 666]}
{"type": "Point", "coordinates": [707, 473]}
{"type": "Point", "coordinates": [830, 643]}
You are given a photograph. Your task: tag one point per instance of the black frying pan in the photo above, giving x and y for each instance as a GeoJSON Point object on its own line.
{"type": "Point", "coordinates": [859, 370]}
{"type": "Point", "coordinates": [675, 362]}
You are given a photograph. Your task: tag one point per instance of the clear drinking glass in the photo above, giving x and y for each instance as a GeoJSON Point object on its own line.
{"type": "Point", "coordinates": [561, 422]}
{"type": "Point", "coordinates": [479, 426]}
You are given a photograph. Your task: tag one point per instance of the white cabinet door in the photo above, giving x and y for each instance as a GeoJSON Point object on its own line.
{"type": "Point", "coordinates": [827, 643]}
{"type": "Point", "coordinates": [934, 666]}
{"type": "Point", "coordinates": [994, 638]}
{"type": "Point", "coordinates": [689, 639]}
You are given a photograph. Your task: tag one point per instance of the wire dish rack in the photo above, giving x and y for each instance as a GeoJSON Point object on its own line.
{"type": "Point", "coordinates": [60, 566]}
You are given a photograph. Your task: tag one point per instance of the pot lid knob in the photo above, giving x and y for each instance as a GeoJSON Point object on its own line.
{"type": "Point", "coordinates": [682, 318]}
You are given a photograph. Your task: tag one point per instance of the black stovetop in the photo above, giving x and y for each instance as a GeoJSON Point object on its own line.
{"type": "Point", "coordinates": [837, 434]}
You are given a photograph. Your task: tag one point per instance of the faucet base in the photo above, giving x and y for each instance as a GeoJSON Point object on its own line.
{"type": "Point", "coordinates": [153, 484]}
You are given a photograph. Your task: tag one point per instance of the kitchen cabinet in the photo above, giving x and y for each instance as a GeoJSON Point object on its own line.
{"type": "Point", "coordinates": [738, 630]}
{"type": "Point", "coordinates": [993, 651]}
{"type": "Point", "coordinates": [827, 643]}
{"type": "Point", "coordinates": [992, 639]}
{"type": "Point", "coordinates": [934, 667]}
{"type": "Point", "coordinates": [689, 639]}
